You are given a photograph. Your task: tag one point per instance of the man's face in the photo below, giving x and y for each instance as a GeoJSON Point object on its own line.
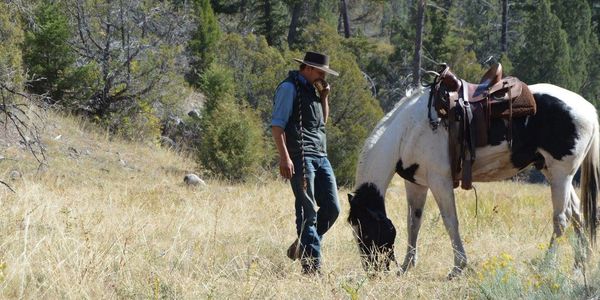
{"type": "Point", "coordinates": [315, 74]}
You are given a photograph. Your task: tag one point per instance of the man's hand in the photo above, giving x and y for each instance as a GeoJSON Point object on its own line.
{"type": "Point", "coordinates": [286, 168]}
{"type": "Point", "coordinates": [323, 88]}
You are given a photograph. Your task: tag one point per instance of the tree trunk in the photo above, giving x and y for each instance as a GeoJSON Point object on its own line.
{"type": "Point", "coordinates": [344, 12]}
{"type": "Point", "coordinates": [503, 41]}
{"type": "Point", "coordinates": [418, 43]}
{"type": "Point", "coordinates": [104, 101]}
{"type": "Point", "coordinates": [292, 33]}
{"type": "Point", "coordinates": [269, 23]}
{"type": "Point", "coordinates": [340, 25]}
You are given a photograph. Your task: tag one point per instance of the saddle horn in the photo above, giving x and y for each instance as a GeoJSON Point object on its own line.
{"type": "Point", "coordinates": [448, 78]}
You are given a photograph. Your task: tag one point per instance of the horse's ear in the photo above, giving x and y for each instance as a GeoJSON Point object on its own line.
{"type": "Point", "coordinates": [350, 197]}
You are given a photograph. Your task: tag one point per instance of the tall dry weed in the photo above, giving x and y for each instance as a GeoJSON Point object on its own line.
{"type": "Point", "coordinates": [108, 219]}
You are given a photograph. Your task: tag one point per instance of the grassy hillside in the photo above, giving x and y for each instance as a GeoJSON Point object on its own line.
{"type": "Point", "coordinates": [109, 219]}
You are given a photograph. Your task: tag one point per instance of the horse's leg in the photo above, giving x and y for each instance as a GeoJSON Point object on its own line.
{"type": "Point", "coordinates": [415, 196]}
{"type": "Point", "coordinates": [565, 204]}
{"type": "Point", "coordinates": [583, 249]}
{"type": "Point", "coordinates": [443, 192]}
{"type": "Point", "coordinates": [560, 187]}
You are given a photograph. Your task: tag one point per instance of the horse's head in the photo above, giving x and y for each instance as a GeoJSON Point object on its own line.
{"type": "Point", "coordinates": [374, 232]}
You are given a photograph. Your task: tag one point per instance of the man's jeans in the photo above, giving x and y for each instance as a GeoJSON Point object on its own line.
{"type": "Point", "coordinates": [317, 208]}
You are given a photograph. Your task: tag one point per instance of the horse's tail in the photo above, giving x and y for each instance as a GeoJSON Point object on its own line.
{"type": "Point", "coordinates": [590, 176]}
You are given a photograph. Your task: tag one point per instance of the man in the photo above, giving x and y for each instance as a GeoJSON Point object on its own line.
{"type": "Point", "coordinates": [298, 127]}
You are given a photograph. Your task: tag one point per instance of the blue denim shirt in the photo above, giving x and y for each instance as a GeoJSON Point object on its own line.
{"type": "Point", "coordinates": [283, 101]}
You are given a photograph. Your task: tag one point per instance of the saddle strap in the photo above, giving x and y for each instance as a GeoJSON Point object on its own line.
{"type": "Point", "coordinates": [510, 115]}
{"type": "Point", "coordinates": [454, 135]}
{"type": "Point", "coordinates": [468, 144]}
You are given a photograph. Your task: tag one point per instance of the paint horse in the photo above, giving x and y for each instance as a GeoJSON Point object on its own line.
{"type": "Point", "coordinates": [562, 136]}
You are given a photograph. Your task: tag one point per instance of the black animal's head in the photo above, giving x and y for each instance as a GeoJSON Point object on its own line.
{"type": "Point", "coordinates": [374, 232]}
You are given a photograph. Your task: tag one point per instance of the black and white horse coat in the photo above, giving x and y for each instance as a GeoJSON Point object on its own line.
{"type": "Point", "coordinates": [562, 136]}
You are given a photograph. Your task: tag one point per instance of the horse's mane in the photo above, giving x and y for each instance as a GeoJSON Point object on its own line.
{"type": "Point", "coordinates": [411, 94]}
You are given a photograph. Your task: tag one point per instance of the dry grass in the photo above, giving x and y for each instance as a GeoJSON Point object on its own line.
{"type": "Point", "coordinates": [108, 219]}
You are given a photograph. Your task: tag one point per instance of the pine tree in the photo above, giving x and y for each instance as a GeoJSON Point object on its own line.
{"type": "Point", "coordinates": [228, 6]}
{"type": "Point", "coordinates": [417, 58]}
{"type": "Point", "coordinates": [232, 144]}
{"type": "Point", "coordinates": [507, 64]}
{"type": "Point", "coordinates": [202, 45]}
{"type": "Point", "coordinates": [11, 35]}
{"type": "Point", "coordinates": [482, 23]}
{"type": "Point", "coordinates": [437, 29]}
{"type": "Point", "coordinates": [401, 34]}
{"type": "Point", "coordinates": [517, 14]}
{"type": "Point", "coordinates": [46, 52]}
{"type": "Point", "coordinates": [266, 64]}
{"type": "Point", "coordinates": [576, 20]}
{"type": "Point", "coordinates": [504, 25]}
{"type": "Point", "coordinates": [545, 55]}
{"type": "Point", "coordinates": [271, 21]}
{"type": "Point", "coordinates": [449, 42]}
{"type": "Point", "coordinates": [595, 5]}
{"type": "Point", "coordinates": [307, 13]}
{"type": "Point", "coordinates": [591, 88]}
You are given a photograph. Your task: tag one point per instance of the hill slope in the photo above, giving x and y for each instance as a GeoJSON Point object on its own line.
{"type": "Point", "coordinates": [111, 219]}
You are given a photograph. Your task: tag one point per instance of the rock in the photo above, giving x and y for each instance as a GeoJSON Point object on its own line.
{"type": "Point", "coordinates": [73, 152]}
{"type": "Point", "coordinates": [14, 175]}
{"type": "Point", "coordinates": [193, 179]}
{"type": "Point", "coordinates": [176, 120]}
{"type": "Point", "coordinates": [167, 142]}
{"type": "Point", "coordinates": [194, 114]}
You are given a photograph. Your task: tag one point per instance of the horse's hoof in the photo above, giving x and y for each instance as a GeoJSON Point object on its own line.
{"type": "Point", "coordinates": [403, 270]}
{"type": "Point", "coordinates": [456, 272]}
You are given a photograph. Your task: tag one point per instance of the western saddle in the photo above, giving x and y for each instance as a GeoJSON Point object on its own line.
{"type": "Point", "coordinates": [466, 110]}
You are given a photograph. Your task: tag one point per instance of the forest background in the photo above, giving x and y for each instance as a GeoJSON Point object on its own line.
{"type": "Point", "coordinates": [199, 75]}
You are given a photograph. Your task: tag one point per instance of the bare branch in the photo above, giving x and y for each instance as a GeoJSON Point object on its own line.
{"type": "Point", "coordinates": [27, 130]}
{"type": "Point", "coordinates": [8, 186]}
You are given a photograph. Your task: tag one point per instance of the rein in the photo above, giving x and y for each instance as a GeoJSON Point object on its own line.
{"type": "Point", "coordinates": [301, 132]}
{"type": "Point", "coordinates": [436, 82]}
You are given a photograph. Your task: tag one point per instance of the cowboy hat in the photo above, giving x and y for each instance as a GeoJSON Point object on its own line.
{"type": "Point", "coordinates": [317, 60]}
